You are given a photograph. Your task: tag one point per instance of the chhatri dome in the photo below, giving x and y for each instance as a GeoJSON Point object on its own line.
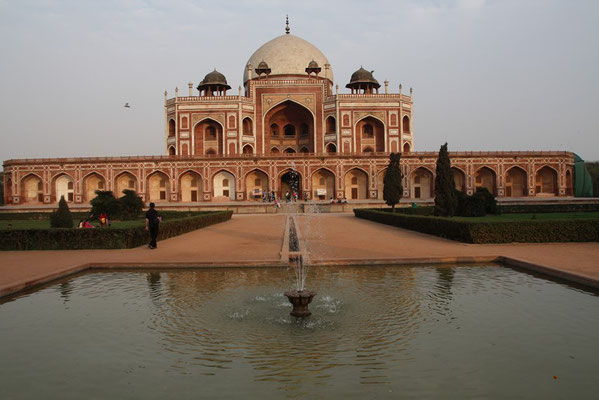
{"type": "Point", "coordinates": [287, 55]}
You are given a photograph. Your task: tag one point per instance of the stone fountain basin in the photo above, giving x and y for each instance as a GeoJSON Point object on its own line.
{"type": "Point", "coordinates": [300, 300]}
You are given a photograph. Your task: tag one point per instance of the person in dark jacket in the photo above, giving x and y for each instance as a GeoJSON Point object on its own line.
{"type": "Point", "coordinates": [152, 222]}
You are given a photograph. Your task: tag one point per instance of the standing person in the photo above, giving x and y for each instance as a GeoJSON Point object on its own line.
{"type": "Point", "coordinates": [152, 221]}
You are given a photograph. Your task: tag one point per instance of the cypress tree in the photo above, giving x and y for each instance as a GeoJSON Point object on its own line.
{"type": "Point", "coordinates": [445, 196]}
{"type": "Point", "coordinates": [62, 217]}
{"type": "Point", "coordinates": [392, 187]}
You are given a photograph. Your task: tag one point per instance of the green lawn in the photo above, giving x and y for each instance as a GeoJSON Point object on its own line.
{"type": "Point", "coordinates": [45, 224]}
{"type": "Point", "coordinates": [521, 217]}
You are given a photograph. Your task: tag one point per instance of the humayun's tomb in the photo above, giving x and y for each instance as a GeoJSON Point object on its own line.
{"type": "Point", "coordinates": [290, 120]}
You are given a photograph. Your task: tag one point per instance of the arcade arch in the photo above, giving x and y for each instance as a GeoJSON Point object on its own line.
{"type": "Point", "coordinates": [32, 190]}
{"type": "Point", "coordinates": [421, 184]}
{"type": "Point", "coordinates": [356, 184]}
{"type": "Point", "coordinates": [256, 184]}
{"type": "Point", "coordinates": [64, 186]}
{"type": "Point", "coordinates": [190, 185]}
{"type": "Point", "coordinates": [485, 177]}
{"type": "Point", "coordinates": [323, 184]}
{"type": "Point", "coordinates": [208, 137]}
{"type": "Point", "coordinates": [223, 186]}
{"type": "Point", "coordinates": [546, 182]}
{"type": "Point", "coordinates": [124, 181]}
{"type": "Point", "coordinates": [331, 148]}
{"type": "Point", "coordinates": [290, 181]}
{"type": "Point", "coordinates": [247, 126]}
{"type": "Point", "coordinates": [91, 183]}
{"type": "Point", "coordinates": [157, 187]}
{"type": "Point", "coordinates": [515, 182]}
{"type": "Point", "coordinates": [459, 179]}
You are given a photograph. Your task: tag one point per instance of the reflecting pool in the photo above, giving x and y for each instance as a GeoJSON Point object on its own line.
{"type": "Point", "coordinates": [375, 332]}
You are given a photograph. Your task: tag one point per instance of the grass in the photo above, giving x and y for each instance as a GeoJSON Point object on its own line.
{"type": "Point", "coordinates": [540, 216]}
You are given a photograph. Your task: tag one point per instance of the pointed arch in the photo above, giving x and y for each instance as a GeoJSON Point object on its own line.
{"type": "Point", "coordinates": [295, 121]}
{"type": "Point", "coordinates": [125, 180]}
{"type": "Point", "coordinates": [247, 126]}
{"type": "Point", "coordinates": [91, 182]}
{"type": "Point", "coordinates": [256, 184]}
{"type": "Point", "coordinates": [274, 150]}
{"type": "Point", "coordinates": [516, 180]}
{"type": "Point", "coordinates": [171, 127]}
{"type": "Point", "coordinates": [63, 184]}
{"type": "Point", "coordinates": [330, 125]}
{"type": "Point", "coordinates": [331, 148]}
{"type": "Point", "coordinates": [290, 180]}
{"type": "Point", "coordinates": [223, 185]}
{"type": "Point", "coordinates": [356, 184]}
{"type": "Point", "coordinates": [190, 186]}
{"type": "Point", "coordinates": [32, 189]}
{"type": "Point", "coordinates": [248, 149]}
{"type": "Point", "coordinates": [200, 131]}
{"type": "Point", "coordinates": [289, 150]}
{"type": "Point", "coordinates": [546, 181]}
{"type": "Point", "coordinates": [406, 147]}
{"type": "Point", "coordinates": [370, 133]}
{"type": "Point", "coordinates": [422, 183]}
{"type": "Point", "coordinates": [459, 178]}
{"type": "Point", "coordinates": [406, 124]}
{"type": "Point", "coordinates": [323, 184]}
{"type": "Point", "coordinates": [486, 176]}
{"type": "Point", "coordinates": [158, 187]}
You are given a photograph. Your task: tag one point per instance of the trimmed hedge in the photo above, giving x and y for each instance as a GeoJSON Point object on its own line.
{"type": "Point", "coordinates": [104, 238]}
{"type": "Point", "coordinates": [548, 208]}
{"type": "Point", "coordinates": [529, 231]}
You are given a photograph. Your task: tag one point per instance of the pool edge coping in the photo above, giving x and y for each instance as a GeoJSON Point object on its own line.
{"type": "Point", "coordinates": [40, 280]}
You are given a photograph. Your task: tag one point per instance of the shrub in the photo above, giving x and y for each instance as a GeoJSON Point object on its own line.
{"type": "Point", "coordinates": [131, 205]}
{"type": "Point", "coordinates": [548, 208]}
{"type": "Point", "coordinates": [104, 202]}
{"type": "Point", "coordinates": [109, 238]}
{"type": "Point", "coordinates": [62, 217]}
{"type": "Point", "coordinates": [476, 231]}
{"type": "Point", "coordinates": [445, 197]}
{"type": "Point", "coordinates": [489, 200]}
{"type": "Point", "coordinates": [392, 187]}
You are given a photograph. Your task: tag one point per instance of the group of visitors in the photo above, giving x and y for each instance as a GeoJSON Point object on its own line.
{"type": "Point", "coordinates": [339, 201]}
{"type": "Point", "coordinates": [103, 219]}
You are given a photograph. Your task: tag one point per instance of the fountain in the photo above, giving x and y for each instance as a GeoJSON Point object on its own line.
{"type": "Point", "coordinates": [300, 297]}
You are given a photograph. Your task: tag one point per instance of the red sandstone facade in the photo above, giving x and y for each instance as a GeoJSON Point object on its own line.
{"type": "Point", "coordinates": [229, 148]}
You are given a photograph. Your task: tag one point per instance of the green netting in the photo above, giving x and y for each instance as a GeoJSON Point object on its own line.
{"type": "Point", "coordinates": [583, 185]}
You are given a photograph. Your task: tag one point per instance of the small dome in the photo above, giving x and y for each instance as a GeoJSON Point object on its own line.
{"type": "Point", "coordinates": [262, 65]}
{"type": "Point", "coordinates": [214, 78]}
{"type": "Point", "coordinates": [362, 76]}
{"type": "Point", "coordinates": [313, 64]}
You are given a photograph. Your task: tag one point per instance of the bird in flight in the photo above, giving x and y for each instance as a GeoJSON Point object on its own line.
{"type": "Point", "coordinates": [127, 105]}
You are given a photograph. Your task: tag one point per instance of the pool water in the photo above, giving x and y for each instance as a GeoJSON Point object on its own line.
{"type": "Point", "coordinates": [375, 332]}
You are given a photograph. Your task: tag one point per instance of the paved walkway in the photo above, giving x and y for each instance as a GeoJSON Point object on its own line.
{"type": "Point", "coordinates": [329, 239]}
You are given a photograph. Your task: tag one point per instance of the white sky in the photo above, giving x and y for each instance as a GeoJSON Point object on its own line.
{"type": "Point", "coordinates": [487, 74]}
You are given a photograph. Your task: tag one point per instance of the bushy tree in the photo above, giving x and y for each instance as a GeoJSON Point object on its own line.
{"type": "Point", "coordinates": [392, 187]}
{"type": "Point", "coordinates": [104, 202]}
{"type": "Point", "coordinates": [445, 196]}
{"type": "Point", "coordinates": [62, 217]}
{"type": "Point", "coordinates": [488, 199]}
{"type": "Point", "coordinates": [131, 204]}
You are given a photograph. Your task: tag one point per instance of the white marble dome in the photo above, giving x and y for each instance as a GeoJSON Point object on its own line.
{"type": "Point", "coordinates": [287, 54]}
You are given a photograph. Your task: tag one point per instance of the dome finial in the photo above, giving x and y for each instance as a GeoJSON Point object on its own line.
{"type": "Point", "coordinates": [287, 24]}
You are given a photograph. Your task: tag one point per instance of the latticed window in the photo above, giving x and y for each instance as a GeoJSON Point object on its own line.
{"type": "Point", "coordinates": [70, 185]}
{"type": "Point", "coordinates": [289, 130]}
{"type": "Point", "coordinates": [194, 182]}
{"type": "Point", "coordinates": [257, 182]}
{"type": "Point", "coordinates": [101, 185]}
{"type": "Point", "coordinates": [162, 182]}
{"type": "Point", "coordinates": [354, 180]}
{"type": "Point", "coordinates": [225, 182]}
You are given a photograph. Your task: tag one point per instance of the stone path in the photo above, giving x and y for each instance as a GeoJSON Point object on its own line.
{"type": "Point", "coordinates": [257, 240]}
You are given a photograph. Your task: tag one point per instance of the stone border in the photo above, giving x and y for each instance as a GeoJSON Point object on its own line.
{"type": "Point", "coordinates": [41, 280]}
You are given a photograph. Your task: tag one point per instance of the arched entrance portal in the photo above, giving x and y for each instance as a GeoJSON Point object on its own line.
{"type": "Point", "coordinates": [421, 184]}
{"type": "Point", "coordinates": [191, 187]}
{"type": "Point", "coordinates": [32, 190]}
{"type": "Point", "coordinates": [459, 179]}
{"type": "Point", "coordinates": [224, 186]}
{"type": "Point", "coordinates": [124, 181]}
{"type": "Point", "coordinates": [546, 182]}
{"type": "Point", "coordinates": [291, 181]}
{"type": "Point", "coordinates": [157, 187]}
{"type": "Point", "coordinates": [256, 185]}
{"type": "Point", "coordinates": [294, 127]}
{"type": "Point", "coordinates": [356, 185]}
{"type": "Point", "coordinates": [323, 185]}
{"type": "Point", "coordinates": [515, 182]}
{"type": "Point", "coordinates": [485, 177]}
{"type": "Point", "coordinates": [91, 183]}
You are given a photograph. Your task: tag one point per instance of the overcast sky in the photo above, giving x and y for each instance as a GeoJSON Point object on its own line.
{"type": "Point", "coordinates": [487, 74]}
